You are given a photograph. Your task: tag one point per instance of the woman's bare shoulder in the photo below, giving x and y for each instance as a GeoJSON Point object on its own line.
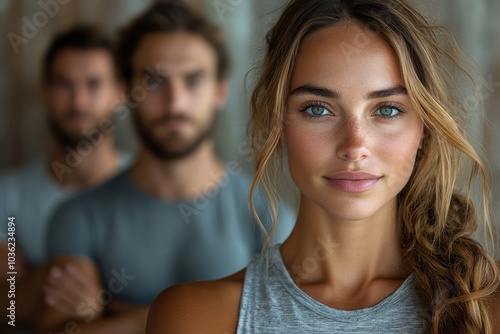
{"type": "Point", "coordinates": [208, 307]}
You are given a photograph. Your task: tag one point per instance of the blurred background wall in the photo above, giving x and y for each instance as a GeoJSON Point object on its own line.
{"type": "Point", "coordinates": [24, 135]}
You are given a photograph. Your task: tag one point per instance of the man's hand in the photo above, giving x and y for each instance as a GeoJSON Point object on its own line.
{"type": "Point", "coordinates": [67, 288]}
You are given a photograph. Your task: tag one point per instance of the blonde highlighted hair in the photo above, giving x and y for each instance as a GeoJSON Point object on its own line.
{"type": "Point", "coordinates": [455, 275]}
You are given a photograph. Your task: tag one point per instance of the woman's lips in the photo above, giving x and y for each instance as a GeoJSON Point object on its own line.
{"type": "Point", "coordinates": [353, 182]}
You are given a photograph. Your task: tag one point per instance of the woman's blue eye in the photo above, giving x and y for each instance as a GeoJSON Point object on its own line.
{"type": "Point", "coordinates": [316, 111]}
{"type": "Point", "coordinates": [387, 111]}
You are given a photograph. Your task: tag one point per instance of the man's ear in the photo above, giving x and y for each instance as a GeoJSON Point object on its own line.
{"type": "Point", "coordinates": [222, 93]}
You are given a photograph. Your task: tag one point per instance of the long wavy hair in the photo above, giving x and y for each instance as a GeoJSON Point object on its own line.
{"type": "Point", "coordinates": [456, 276]}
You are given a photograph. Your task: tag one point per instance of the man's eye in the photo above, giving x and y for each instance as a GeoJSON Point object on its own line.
{"type": "Point", "coordinates": [155, 82]}
{"type": "Point", "coordinates": [193, 82]}
{"type": "Point", "coordinates": [94, 85]}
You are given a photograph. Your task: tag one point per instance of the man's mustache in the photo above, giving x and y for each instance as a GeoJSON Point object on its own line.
{"type": "Point", "coordinates": [74, 113]}
{"type": "Point", "coordinates": [169, 118]}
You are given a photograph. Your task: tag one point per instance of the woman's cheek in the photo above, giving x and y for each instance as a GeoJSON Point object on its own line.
{"type": "Point", "coordinates": [398, 152]}
{"type": "Point", "coordinates": [309, 152]}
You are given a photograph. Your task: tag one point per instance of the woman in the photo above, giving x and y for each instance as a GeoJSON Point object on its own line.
{"type": "Point", "coordinates": [356, 93]}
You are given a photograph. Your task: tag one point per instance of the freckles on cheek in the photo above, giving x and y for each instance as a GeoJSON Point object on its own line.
{"type": "Point", "coordinates": [399, 152]}
{"type": "Point", "coordinates": [306, 150]}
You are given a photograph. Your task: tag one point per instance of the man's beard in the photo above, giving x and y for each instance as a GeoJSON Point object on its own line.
{"type": "Point", "coordinates": [66, 138]}
{"type": "Point", "coordinates": [163, 148]}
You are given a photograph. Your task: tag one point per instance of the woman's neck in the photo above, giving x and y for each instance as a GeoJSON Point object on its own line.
{"type": "Point", "coordinates": [348, 254]}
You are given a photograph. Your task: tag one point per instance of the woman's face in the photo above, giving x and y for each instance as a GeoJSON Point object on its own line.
{"type": "Point", "coordinates": [351, 132]}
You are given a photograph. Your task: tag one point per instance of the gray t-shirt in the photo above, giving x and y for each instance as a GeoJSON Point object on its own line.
{"type": "Point", "coordinates": [31, 195]}
{"type": "Point", "coordinates": [271, 303]}
{"type": "Point", "coordinates": [142, 245]}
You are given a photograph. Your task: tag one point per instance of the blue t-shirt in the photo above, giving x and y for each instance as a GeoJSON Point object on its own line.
{"type": "Point", "coordinates": [142, 244]}
{"type": "Point", "coordinates": [31, 196]}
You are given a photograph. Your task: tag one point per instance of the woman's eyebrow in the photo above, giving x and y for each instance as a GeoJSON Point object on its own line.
{"type": "Point", "coordinates": [333, 94]}
{"type": "Point", "coordinates": [396, 90]}
{"type": "Point", "coordinates": [315, 90]}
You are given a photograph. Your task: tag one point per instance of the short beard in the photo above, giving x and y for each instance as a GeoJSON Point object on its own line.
{"type": "Point", "coordinates": [63, 137]}
{"type": "Point", "coordinates": [157, 147]}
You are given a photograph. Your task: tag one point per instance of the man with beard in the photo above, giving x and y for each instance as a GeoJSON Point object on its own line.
{"type": "Point", "coordinates": [80, 84]}
{"type": "Point", "coordinates": [179, 213]}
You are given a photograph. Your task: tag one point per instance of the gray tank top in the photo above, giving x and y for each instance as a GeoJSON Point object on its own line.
{"type": "Point", "coordinates": [272, 303]}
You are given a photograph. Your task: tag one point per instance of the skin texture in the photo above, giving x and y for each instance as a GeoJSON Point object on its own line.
{"type": "Point", "coordinates": [363, 265]}
{"type": "Point", "coordinates": [351, 136]}
{"type": "Point", "coordinates": [178, 73]}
